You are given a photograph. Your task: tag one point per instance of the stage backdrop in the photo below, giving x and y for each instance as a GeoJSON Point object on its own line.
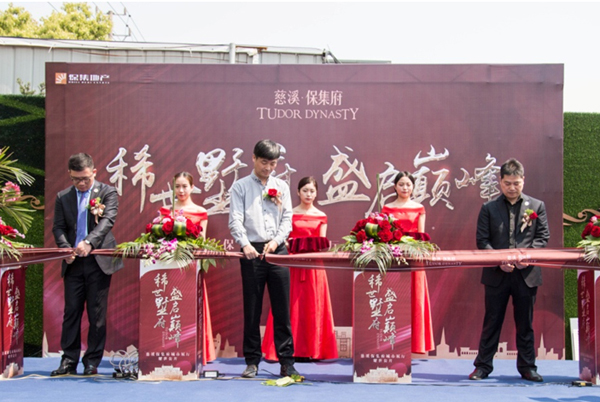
{"type": "Point", "coordinates": [452, 125]}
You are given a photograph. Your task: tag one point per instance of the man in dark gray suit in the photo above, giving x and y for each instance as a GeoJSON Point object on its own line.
{"type": "Point", "coordinates": [513, 220]}
{"type": "Point", "coordinates": [84, 215]}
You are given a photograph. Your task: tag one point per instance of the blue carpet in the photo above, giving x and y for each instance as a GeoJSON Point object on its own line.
{"type": "Point", "coordinates": [433, 380]}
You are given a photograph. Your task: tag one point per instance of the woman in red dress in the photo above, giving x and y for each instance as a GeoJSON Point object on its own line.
{"type": "Point", "coordinates": [184, 185]}
{"type": "Point", "coordinates": [311, 315]}
{"type": "Point", "coordinates": [411, 215]}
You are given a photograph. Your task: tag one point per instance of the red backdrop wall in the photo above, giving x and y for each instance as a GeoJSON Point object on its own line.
{"type": "Point", "coordinates": [453, 125]}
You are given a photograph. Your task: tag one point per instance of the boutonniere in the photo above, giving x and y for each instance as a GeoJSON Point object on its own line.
{"type": "Point", "coordinates": [528, 217]}
{"type": "Point", "coordinates": [273, 195]}
{"type": "Point", "coordinates": [96, 208]}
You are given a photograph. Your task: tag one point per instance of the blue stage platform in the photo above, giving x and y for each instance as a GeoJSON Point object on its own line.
{"type": "Point", "coordinates": [433, 380]}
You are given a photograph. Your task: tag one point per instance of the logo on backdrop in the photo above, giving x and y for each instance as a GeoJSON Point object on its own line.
{"type": "Point", "coordinates": [312, 105]}
{"type": "Point", "coordinates": [60, 78]}
{"type": "Point", "coordinates": [94, 79]}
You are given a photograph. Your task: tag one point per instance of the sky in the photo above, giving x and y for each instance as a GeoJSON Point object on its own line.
{"type": "Point", "coordinates": [479, 32]}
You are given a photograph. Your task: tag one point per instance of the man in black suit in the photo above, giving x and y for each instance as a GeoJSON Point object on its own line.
{"type": "Point", "coordinates": [84, 215]}
{"type": "Point", "coordinates": [513, 220]}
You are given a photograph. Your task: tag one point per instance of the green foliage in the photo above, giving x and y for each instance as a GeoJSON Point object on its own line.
{"type": "Point", "coordinates": [75, 21]}
{"type": "Point", "coordinates": [183, 254]}
{"type": "Point", "coordinates": [22, 121]}
{"type": "Point", "coordinates": [11, 204]}
{"type": "Point", "coordinates": [591, 249]}
{"type": "Point", "coordinates": [25, 88]}
{"type": "Point", "coordinates": [381, 254]}
{"type": "Point", "coordinates": [10, 172]}
{"type": "Point", "coordinates": [16, 21]}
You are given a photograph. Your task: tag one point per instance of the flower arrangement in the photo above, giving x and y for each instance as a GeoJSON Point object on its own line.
{"type": "Point", "coordinates": [7, 243]}
{"type": "Point", "coordinates": [12, 206]}
{"type": "Point", "coordinates": [528, 217]}
{"type": "Point", "coordinates": [380, 239]}
{"type": "Point", "coordinates": [96, 208]}
{"type": "Point", "coordinates": [11, 191]}
{"type": "Point", "coordinates": [590, 242]}
{"type": "Point", "coordinates": [171, 239]}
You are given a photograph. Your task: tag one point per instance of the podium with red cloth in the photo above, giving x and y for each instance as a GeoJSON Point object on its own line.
{"type": "Point", "coordinates": [588, 299]}
{"type": "Point", "coordinates": [171, 322]}
{"type": "Point", "coordinates": [12, 306]}
{"type": "Point", "coordinates": [382, 327]}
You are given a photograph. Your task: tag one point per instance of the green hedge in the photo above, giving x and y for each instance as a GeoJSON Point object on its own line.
{"type": "Point", "coordinates": [22, 120]}
{"type": "Point", "coordinates": [22, 128]}
{"type": "Point", "coordinates": [581, 191]}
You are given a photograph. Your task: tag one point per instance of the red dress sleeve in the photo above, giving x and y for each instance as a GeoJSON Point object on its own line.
{"type": "Point", "coordinates": [304, 237]}
{"type": "Point", "coordinates": [195, 217]}
{"type": "Point", "coordinates": [409, 220]}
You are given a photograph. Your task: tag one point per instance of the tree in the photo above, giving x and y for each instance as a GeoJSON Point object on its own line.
{"type": "Point", "coordinates": [75, 21]}
{"type": "Point", "coordinates": [16, 21]}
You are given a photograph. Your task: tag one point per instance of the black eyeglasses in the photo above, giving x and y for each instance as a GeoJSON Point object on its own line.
{"type": "Point", "coordinates": [81, 179]}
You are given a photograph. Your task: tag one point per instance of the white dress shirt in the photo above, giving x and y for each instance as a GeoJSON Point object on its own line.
{"type": "Point", "coordinates": [254, 217]}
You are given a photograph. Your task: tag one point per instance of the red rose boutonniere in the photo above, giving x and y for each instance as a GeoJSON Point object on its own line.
{"type": "Point", "coordinates": [273, 195]}
{"type": "Point", "coordinates": [528, 217]}
{"type": "Point", "coordinates": [96, 208]}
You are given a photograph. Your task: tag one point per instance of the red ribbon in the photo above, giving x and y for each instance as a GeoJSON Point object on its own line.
{"type": "Point", "coordinates": [563, 258]}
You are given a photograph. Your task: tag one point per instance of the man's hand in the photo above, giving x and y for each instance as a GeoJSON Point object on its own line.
{"type": "Point", "coordinates": [70, 259]}
{"type": "Point", "coordinates": [250, 252]}
{"type": "Point", "coordinates": [507, 268]}
{"type": "Point", "coordinates": [83, 249]}
{"type": "Point", "coordinates": [270, 247]}
{"type": "Point", "coordinates": [521, 266]}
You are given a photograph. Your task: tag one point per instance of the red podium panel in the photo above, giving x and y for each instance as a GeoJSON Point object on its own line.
{"type": "Point", "coordinates": [382, 328]}
{"type": "Point", "coordinates": [12, 306]}
{"type": "Point", "coordinates": [170, 343]}
{"type": "Point", "coordinates": [588, 298]}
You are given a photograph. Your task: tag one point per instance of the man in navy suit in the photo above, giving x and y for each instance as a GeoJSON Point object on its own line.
{"type": "Point", "coordinates": [84, 215]}
{"type": "Point", "coordinates": [513, 220]}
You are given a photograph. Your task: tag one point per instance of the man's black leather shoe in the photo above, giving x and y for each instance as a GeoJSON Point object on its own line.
{"type": "Point", "coordinates": [90, 370]}
{"type": "Point", "coordinates": [531, 375]}
{"type": "Point", "coordinates": [288, 370]}
{"type": "Point", "coordinates": [66, 367]}
{"type": "Point", "coordinates": [251, 371]}
{"type": "Point", "coordinates": [478, 374]}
